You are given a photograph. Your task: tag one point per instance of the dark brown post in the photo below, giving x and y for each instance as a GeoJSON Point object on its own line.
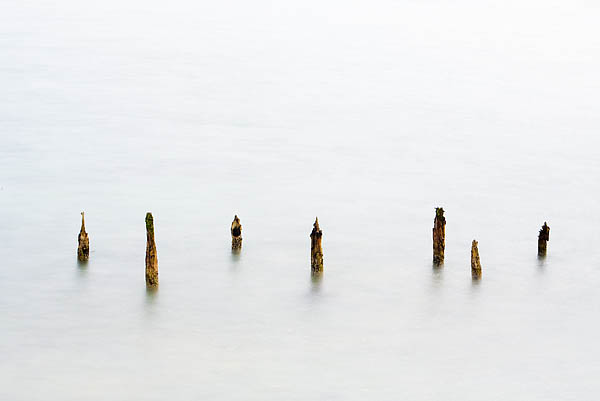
{"type": "Point", "coordinates": [439, 236]}
{"type": "Point", "coordinates": [151, 258]}
{"type": "Point", "coordinates": [316, 250]}
{"type": "Point", "coordinates": [475, 262]}
{"type": "Point", "coordinates": [543, 239]}
{"type": "Point", "coordinates": [83, 249]}
{"type": "Point", "coordinates": [236, 234]}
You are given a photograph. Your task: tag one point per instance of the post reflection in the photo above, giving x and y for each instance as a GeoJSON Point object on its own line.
{"type": "Point", "coordinates": [236, 254]}
{"type": "Point", "coordinates": [151, 294]}
{"type": "Point", "coordinates": [82, 266]}
{"type": "Point", "coordinates": [541, 259]}
{"type": "Point", "coordinates": [316, 279]}
{"type": "Point", "coordinates": [437, 275]}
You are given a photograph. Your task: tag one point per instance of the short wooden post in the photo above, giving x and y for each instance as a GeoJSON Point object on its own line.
{"type": "Point", "coordinates": [151, 258]}
{"type": "Point", "coordinates": [439, 236]}
{"type": "Point", "coordinates": [475, 262]}
{"type": "Point", "coordinates": [543, 239]}
{"type": "Point", "coordinates": [236, 234]}
{"type": "Point", "coordinates": [316, 250]}
{"type": "Point", "coordinates": [83, 249]}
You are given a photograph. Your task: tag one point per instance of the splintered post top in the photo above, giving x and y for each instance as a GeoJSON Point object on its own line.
{"type": "Point", "coordinates": [149, 222]}
{"type": "Point", "coordinates": [316, 228]}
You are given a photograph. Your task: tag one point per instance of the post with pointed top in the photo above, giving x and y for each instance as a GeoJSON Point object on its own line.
{"type": "Point", "coordinates": [475, 262]}
{"type": "Point", "coordinates": [83, 249]}
{"type": "Point", "coordinates": [316, 250]}
{"type": "Point", "coordinates": [543, 239]}
{"type": "Point", "coordinates": [439, 236]}
{"type": "Point", "coordinates": [151, 258]}
{"type": "Point", "coordinates": [236, 234]}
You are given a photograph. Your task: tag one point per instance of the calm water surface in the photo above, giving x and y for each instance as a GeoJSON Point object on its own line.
{"type": "Point", "coordinates": [367, 114]}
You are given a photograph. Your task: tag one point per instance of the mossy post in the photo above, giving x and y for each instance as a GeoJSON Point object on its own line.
{"type": "Point", "coordinates": [236, 234]}
{"type": "Point", "coordinates": [439, 237]}
{"type": "Point", "coordinates": [151, 258]}
{"type": "Point", "coordinates": [475, 262]}
{"type": "Point", "coordinates": [543, 239]}
{"type": "Point", "coordinates": [83, 249]}
{"type": "Point", "coordinates": [316, 250]}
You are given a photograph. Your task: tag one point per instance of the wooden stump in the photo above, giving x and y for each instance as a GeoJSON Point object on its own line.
{"type": "Point", "coordinates": [316, 250]}
{"type": "Point", "coordinates": [475, 262]}
{"type": "Point", "coordinates": [83, 249]}
{"type": "Point", "coordinates": [236, 234]}
{"type": "Point", "coordinates": [543, 239]}
{"type": "Point", "coordinates": [151, 258]}
{"type": "Point", "coordinates": [439, 236]}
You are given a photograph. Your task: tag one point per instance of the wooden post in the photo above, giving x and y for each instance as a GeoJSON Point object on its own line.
{"type": "Point", "coordinates": [316, 250]}
{"type": "Point", "coordinates": [475, 262]}
{"type": "Point", "coordinates": [151, 258]}
{"type": "Point", "coordinates": [439, 236]}
{"type": "Point", "coordinates": [83, 249]}
{"type": "Point", "coordinates": [236, 234]}
{"type": "Point", "coordinates": [543, 239]}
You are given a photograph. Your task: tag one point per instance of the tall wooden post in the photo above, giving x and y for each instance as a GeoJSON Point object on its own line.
{"type": "Point", "coordinates": [316, 250]}
{"type": "Point", "coordinates": [83, 249]}
{"type": "Point", "coordinates": [543, 239]}
{"type": "Point", "coordinates": [439, 236]}
{"type": "Point", "coordinates": [236, 234]}
{"type": "Point", "coordinates": [151, 258]}
{"type": "Point", "coordinates": [475, 262]}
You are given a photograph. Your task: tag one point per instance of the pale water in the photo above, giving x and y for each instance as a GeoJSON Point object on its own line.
{"type": "Point", "coordinates": [368, 114]}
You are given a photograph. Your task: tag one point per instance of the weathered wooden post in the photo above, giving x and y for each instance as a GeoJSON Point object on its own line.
{"type": "Point", "coordinates": [236, 234]}
{"type": "Point", "coordinates": [543, 239]}
{"type": "Point", "coordinates": [83, 249]}
{"type": "Point", "coordinates": [151, 258]}
{"type": "Point", "coordinates": [475, 262]}
{"type": "Point", "coordinates": [439, 236]}
{"type": "Point", "coordinates": [316, 250]}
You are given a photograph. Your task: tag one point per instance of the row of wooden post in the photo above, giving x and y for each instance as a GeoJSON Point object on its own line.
{"type": "Point", "coordinates": [439, 243]}
{"type": "Point", "coordinates": [316, 248]}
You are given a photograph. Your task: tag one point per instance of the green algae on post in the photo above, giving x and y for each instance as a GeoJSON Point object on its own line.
{"type": "Point", "coordinates": [316, 250]}
{"type": "Point", "coordinates": [151, 258]}
{"type": "Point", "coordinates": [543, 239]}
{"type": "Point", "coordinates": [236, 234]}
{"type": "Point", "coordinates": [439, 236]}
{"type": "Point", "coordinates": [83, 249]}
{"type": "Point", "coordinates": [475, 262]}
